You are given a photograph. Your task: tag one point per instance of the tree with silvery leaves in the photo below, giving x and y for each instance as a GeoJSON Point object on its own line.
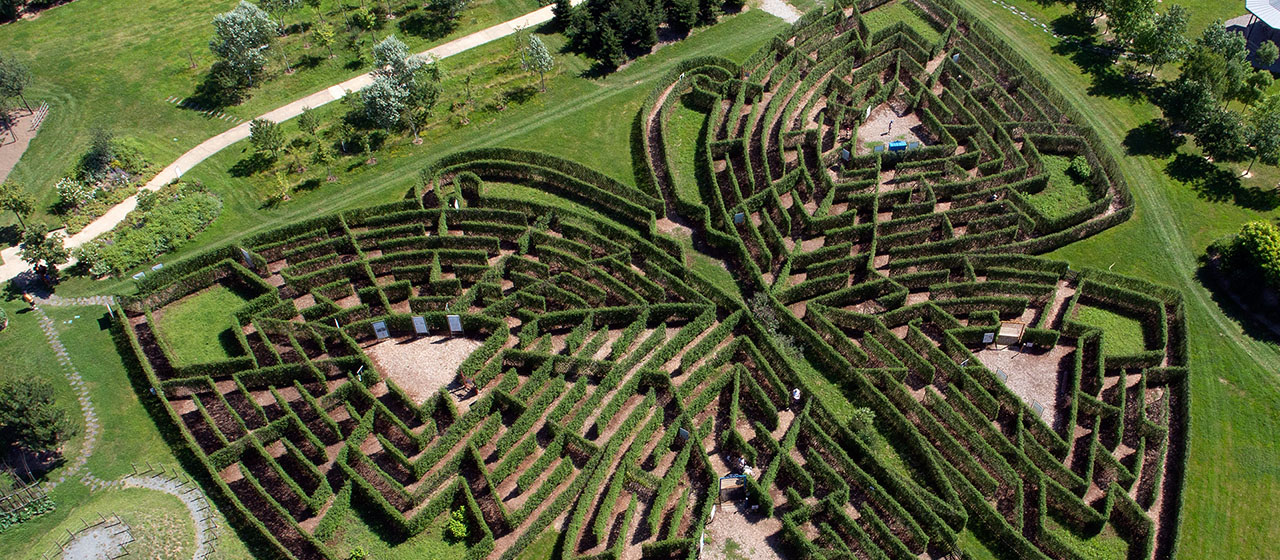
{"type": "Point", "coordinates": [241, 38]}
{"type": "Point", "coordinates": [537, 58]}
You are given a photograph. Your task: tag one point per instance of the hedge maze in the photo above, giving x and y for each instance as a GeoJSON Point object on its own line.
{"type": "Point", "coordinates": [611, 386]}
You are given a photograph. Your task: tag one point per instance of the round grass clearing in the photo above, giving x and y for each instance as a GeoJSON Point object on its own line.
{"type": "Point", "coordinates": [159, 523]}
{"type": "Point", "coordinates": [198, 328]}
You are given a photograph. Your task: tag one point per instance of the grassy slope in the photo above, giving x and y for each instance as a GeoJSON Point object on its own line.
{"type": "Point", "coordinates": [1236, 397]}
{"type": "Point", "coordinates": [573, 113]}
{"type": "Point", "coordinates": [123, 74]}
{"type": "Point", "coordinates": [128, 434]}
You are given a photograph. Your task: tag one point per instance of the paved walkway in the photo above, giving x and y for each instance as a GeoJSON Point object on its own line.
{"type": "Point", "coordinates": [13, 266]}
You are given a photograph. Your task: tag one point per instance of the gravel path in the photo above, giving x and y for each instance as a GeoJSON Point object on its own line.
{"type": "Point", "coordinates": [781, 9]}
{"type": "Point", "coordinates": [191, 496]}
{"type": "Point", "coordinates": [101, 543]}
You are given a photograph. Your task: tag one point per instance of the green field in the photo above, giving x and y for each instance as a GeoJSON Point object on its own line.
{"type": "Point", "coordinates": [1121, 336]}
{"type": "Point", "coordinates": [1235, 390]}
{"type": "Point", "coordinates": [198, 328]}
{"type": "Point", "coordinates": [1064, 193]}
{"type": "Point", "coordinates": [892, 13]}
{"type": "Point", "coordinates": [103, 64]}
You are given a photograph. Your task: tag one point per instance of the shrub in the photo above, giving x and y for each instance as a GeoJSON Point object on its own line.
{"type": "Point", "coordinates": [180, 211]}
{"type": "Point", "coordinates": [458, 528]}
{"type": "Point", "coordinates": [1080, 169]}
{"type": "Point", "coordinates": [1256, 247]}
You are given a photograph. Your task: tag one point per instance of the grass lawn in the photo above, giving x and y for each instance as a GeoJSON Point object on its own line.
{"type": "Point", "coordinates": [545, 547]}
{"type": "Point", "coordinates": [892, 13]}
{"type": "Point", "coordinates": [198, 328]}
{"type": "Point", "coordinates": [1121, 335]}
{"type": "Point", "coordinates": [358, 531]}
{"type": "Point", "coordinates": [1235, 389]}
{"type": "Point", "coordinates": [127, 435]}
{"type": "Point", "coordinates": [682, 129]}
{"type": "Point", "coordinates": [1106, 546]}
{"type": "Point", "coordinates": [105, 64]}
{"type": "Point", "coordinates": [573, 113]}
{"type": "Point", "coordinates": [1064, 193]}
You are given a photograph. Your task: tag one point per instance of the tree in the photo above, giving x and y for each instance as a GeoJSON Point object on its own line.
{"type": "Point", "coordinates": [610, 53]}
{"type": "Point", "coordinates": [14, 198]}
{"type": "Point", "coordinates": [323, 35]}
{"type": "Point", "coordinates": [1161, 39]}
{"type": "Point", "coordinates": [14, 79]}
{"type": "Point", "coordinates": [560, 14]}
{"type": "Point", "coordinates": [1267, 53]}
{"type": "Point", "coordinates": [241, 38]}
{"type": "Point", "coordinates": [308, 121]}
{"type": "Point", "coordinates": [30, 417]}
{"type": "Point", "coordinates": [1263, 131]}
{"type": "Point", "coordinates": [708, 12]}
{"type": "Point", "coordinates": [279, 8]}
{"type": "Point", "coordinates": [1222, 136]}
{"type": "Point", "coordinates": [421, 99]}
{"type": "Point", "coordinates": [384, 101]}
{"type": "Point", "coordinates": [682, 15]}
{"type": "Point", "coordinates": [1127, 17]}
{"type": "Point", "coordinates": [324, 156]}
{"type": "Point", "coordinates": [1090, 9]}
{"type": "Point", "coordinates": [391, 58]}
{"type": "Point", "coordinates": [448, 8]}
{"type": "Point", "coordinates": [40, 247]}
{"type": "Point", "coordinates": [538, 59]}
{"type": "Point", "coordinates": [266, 136]}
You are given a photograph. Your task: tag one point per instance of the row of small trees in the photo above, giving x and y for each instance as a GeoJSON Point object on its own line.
{"type": "Point", "coordinates": [611, 31]}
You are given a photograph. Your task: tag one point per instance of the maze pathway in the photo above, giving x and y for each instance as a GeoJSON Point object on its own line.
{"type": "Point", "coordinates": [608, 388]}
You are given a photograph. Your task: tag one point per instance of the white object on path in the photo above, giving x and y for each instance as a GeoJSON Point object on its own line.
{"type": "Point", "coordinates": [781, 9]}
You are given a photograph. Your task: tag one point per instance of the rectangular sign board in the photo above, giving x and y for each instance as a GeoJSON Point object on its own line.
{"type": "Point", "coordinates": [420, 325]}
{"type": "Point", "coordinates": [988, 338]}
{"type": "Point", "coordinates": [380, 329]}
{"type": "Point", "coordinates": [455, 323]}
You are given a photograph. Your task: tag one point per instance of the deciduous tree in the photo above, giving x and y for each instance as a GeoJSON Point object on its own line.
{"type": "Point", "coordinates": [14, 198]}
{"type": "Point", "coordinates": [241, 38]}
{"type": "Point", "coordinates": [323, 35]}
{"type": "Point", "coordinates": [266, 136]}
{"type": "Point", "coordinates": [14, 79]}
{"type": "Point", "coordinates": [384, 101]}
{"type": "Point", "coordinates": [308, 121]}
{"type": "Point", "coordinates": [1161, 39]}
{"type": "Point", "coordinates": [38, 247]}
{"type": "Point", "coordinates": [537, 58]}
{"type": "Point", "coordinates": [1263, 131]}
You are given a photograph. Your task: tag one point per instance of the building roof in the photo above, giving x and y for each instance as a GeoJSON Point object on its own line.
{"type": "Point", "coordinates": [1267, 10]}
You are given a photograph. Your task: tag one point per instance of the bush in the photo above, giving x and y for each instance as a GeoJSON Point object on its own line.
{"type": "Point", "coordinates": [179, 212]}
{"type": "Point", "coordinates": [458, 528]}
{"type": "Point", "coordinates": [30, 417]}
{"type": "Point", "coordinates": [1255, 248]}
{"type": "Point", "coordinates": [1080, 169]}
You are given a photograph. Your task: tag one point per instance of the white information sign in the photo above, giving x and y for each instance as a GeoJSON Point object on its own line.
{"type": "Point", "coordinates": [455, 323]}
{"type": "Point", "coordinates": [988, 338]}
{"type": "Point", "coordinates": [380, 329]}
{"type": "Point", "coordinates": [420, 325]}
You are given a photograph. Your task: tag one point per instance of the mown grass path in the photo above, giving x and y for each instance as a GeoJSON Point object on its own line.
{"type": "Point", "coordinates": [1235, 389]}
{"type": "Point", "coordinates": [13, 265]}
